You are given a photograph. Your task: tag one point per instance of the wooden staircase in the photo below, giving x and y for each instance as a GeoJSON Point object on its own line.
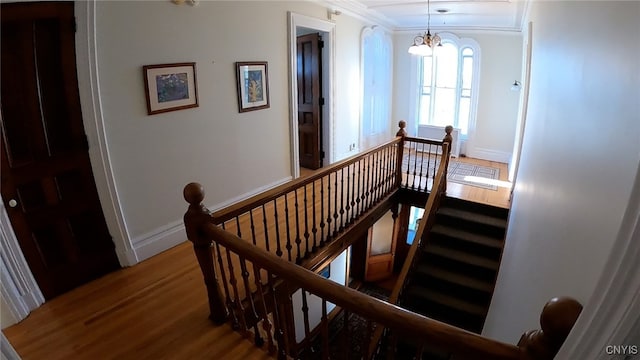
{"type": "Point", "coordinates": [454, 279]}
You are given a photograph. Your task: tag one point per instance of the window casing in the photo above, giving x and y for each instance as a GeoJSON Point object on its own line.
{"type": "Point", "coordinates": [448, 85]}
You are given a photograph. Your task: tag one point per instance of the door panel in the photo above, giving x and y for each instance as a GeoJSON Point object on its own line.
{"type": "Point", "coordinates": [309, 103]}
{"type": "Point", "coordinates": [46, 169]}
{"type": "Point", "coordinates": [381, 248]}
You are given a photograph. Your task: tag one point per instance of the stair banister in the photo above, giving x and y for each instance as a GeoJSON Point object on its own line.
{"type": "Point", "coordinates": [469, 345]}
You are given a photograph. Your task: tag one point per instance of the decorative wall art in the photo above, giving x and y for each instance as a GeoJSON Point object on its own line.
{"type": "Point", "coordinates": [170, 87]}
{"type": "Point", "coordinates": [253, 85]}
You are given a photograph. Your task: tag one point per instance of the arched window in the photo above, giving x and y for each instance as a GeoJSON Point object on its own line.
{"type": "Point", "coordinates": [448, 85]}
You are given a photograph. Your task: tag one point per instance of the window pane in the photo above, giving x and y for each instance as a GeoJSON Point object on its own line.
{"type": "Point", "coordinates": [467, 72]}
{"type": "Point", "coordinates": [444, 107]}
{"type": "Point", "coordinates": [467, 52]}
{"type": "Point", "coordinates": [426, 70]}
{"type": "Point", "coordinates": [466, 93]}
{"type": "Point", "coordinates": [425, 107]}
{"type": "Point", "coordinates": [463, 116]}
{"type": "Point", "coordinates": [447, 66]}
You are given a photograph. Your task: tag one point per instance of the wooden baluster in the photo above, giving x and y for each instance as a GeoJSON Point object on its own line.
{"type": "Point", "coordinates": [557, 318]}
{"type": "Point", "coordinates": [329, 208]}
{"type": "Point", "coordinates": [354, 180]}
{"type": "Point", "coordinates": [266, 228]}
{"type": "Point", "coordinates": [341, 199]}
{"type": "Point", "coordinates": [335, 205]}
{"type": "Point", "coordinates": [266, 323]}
{"type": "Point", "coordinates": [277, 319]}
{"type": "Point", "coordinates": [228, 300]}
{"type": "Point", "coordinates": [421, 166]}
{"type": "Point", "coordinates": [322, 238]}
{"type": "Point", "coordinates": [387, 169]}
{"type": "Point", "coordinates": [359, 198]}
{"type": "Point", "coordinates": [415, 165]}
{"type": "Point", "coordinates": [253, 227]}
{"type": "Point", "coordinates": [447, 150]}
{"type": "Point", "coordinates": [257, 337]}
{"type": "Point", "coordinates": [288, 228]}
{"type": "Point", "coordinates": [275, 215]}
{"type": "Point", "coordinates": [347, 198]}
{"type": "Point", "coordinates": [368, 182]}
{"type": "Point", "coordinates": [314, 229]}
{"type": "Point", "coordinates": [367, 339]}
{"type": "Point", "coordinates": [376, 179]}
{"type": "Point", "coordinates": [380, 176]}
{"type": "Point", "coordinates": [234, 285]}
{"type": "Point", "coordinates": [400, 152]}
{"type": "Point", "coordinates": [408, 164]}
{"type": "Point", "coordinates": [196, 216]}
{"type": "Point", "coordinates": [307, 249]}
{"type": "Point", "coordinates": [305, 314]}
{"type": "Point", "coordinates": [298, 239]}
{"type": "Point", "coordinates": [325, 331]}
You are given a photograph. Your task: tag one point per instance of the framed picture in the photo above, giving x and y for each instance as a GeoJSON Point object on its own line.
{"type": "Point", "coordinates": [170, 87]}
{"type": "Point", "coordinates": [253, 85]}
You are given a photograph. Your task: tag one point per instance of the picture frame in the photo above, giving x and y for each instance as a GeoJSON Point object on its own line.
{"type": "Point", "coordinates": [170, 87]}
{"type": "Point", "coordinates": [326, 272]}
{"type": "Point", "coordinates": [253, 85]}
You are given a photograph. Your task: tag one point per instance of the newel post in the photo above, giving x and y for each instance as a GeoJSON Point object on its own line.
{"type": "Point", "coordinates": [557, 319]}
{"type": "Point", "coordinates": [447, 150]}
{"type": "Point", "coordinates": [402, 133]}
{"type": "Point", "coordinates": [196, 216]}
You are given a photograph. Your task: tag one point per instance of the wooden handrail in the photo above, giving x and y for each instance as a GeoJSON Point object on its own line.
{"type": "Point", "coordinates": [423, 140]}
{"type": "Point", "coordinates": [263, 198]}
{"type": "Point", "coordinates": [461, 342]}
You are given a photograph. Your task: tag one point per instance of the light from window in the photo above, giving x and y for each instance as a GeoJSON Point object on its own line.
{"type": "Point", "coordinates": [446, 79]}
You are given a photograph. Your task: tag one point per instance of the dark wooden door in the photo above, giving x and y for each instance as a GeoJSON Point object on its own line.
{"type": "Point", "coordinates": [47, 182]}
{"type": "Point", "coordinates": [309, 54]}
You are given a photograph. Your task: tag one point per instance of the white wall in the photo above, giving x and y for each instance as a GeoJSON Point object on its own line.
{"type": "Point", "coordinates": [500, 65]}
{"type": "Point", "coordinates": [338, 274]}
{"type": "Point", "coordinates": [233, 155]}
{"type": "Point", "coordinates": [580, 154]}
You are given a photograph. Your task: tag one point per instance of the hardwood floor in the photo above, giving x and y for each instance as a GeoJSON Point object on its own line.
{"type": "Point", "coordinates": [498, 197]}
{"type": "Point", "coordinates": [154, 310]}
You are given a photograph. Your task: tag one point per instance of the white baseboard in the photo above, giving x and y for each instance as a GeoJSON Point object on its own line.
{"type": "Point", "coordinates": [490, 155]}
{"type": "Point", "coordinates": [172, 234]}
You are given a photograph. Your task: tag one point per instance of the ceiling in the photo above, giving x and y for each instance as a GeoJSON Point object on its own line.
{"type": "Point", "coordinates": [500, 15]}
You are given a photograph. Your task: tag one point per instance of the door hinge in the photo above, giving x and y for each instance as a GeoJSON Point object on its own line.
{"type": "Point", "coordinates": [321, 101]}
{"type": "Point", "coordinates": [321, 44]}
{"type": "Point", "coordinates": [321, 154]}
{"type": "Point", "coordinates": [75, 24]}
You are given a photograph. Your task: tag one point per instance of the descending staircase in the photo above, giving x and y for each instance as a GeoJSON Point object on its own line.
{"type": "Point", "coordinates": [454, 279]}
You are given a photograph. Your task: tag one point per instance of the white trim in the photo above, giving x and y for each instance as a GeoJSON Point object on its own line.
{"type": "Point", "coordinates": [172, 234]}
{"type": "Point", "coordinates": [613, 310]}
{"type": "Point", "coordinates": [19, 288]}
{"type": "Point", "coordinates": [295, 21]}
{"type": "Point", "coordinates": [489, 154]}
{"type": "Point", "coordinates": [91, 104]}
{"type": "Point", "coordinates": [7, 351]}
{"type": "Point", "coordinates": [360, 12]}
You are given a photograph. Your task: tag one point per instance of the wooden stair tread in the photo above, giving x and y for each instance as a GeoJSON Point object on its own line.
{"type": "Point", "coordinates": [462, 257]}
{"type": "Point", "coordinates": [449, 301]}
{"type": "Point", "coordinates": [473, 216]}
{"type": "Point", "coordinates": [467, 236]}
{"type": "Point", "coordinates": [455, 278]}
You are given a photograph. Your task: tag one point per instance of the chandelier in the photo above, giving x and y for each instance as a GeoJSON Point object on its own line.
{"type": "Point", "coordinates": [423, 44]}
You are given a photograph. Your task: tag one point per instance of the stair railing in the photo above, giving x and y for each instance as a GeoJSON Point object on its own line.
{"type": "Point", "coordinates": [420, 239]}
{"type": "Point", "coordinates": [296, 219]}
{"type": "Point", "coordinates": [272, 325]}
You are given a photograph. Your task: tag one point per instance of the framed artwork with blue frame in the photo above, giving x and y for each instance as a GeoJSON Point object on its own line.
{"type": "Point", "coordinates": [253, 85]}
{"type": "Point", "coordinates": [170, 87]}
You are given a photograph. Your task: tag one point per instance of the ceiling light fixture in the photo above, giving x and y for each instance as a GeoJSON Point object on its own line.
{"type": "Point", "coordinates": [423, 44]}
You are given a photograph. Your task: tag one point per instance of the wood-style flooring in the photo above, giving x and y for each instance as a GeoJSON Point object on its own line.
{"type": "Point", "coordinates": [156, 309]}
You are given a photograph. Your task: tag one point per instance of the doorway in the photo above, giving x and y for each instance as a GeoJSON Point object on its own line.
{"type": "Point", "coordinates": [48, 187]}
{"type": "Point", "coordinates": [311, 140]}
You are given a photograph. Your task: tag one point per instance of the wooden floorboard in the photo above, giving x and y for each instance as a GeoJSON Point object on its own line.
{"type": "Point", "coordinates": [154, 310]}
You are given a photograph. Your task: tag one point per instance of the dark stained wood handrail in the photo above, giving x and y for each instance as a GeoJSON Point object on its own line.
{"type": "Point", "coordinates": [459, 341]}
{"type": "Point", "coordinates": [242, 207]}
{"type": "Point", "coordinates": [424, 140]}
